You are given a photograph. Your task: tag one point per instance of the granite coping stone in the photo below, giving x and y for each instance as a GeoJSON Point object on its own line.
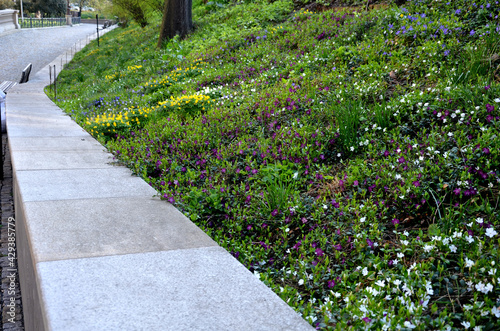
{"type": "Point", "coordinates": [69, 229]}
{"type": "Point", "coordinates": [52, 160]}
{"type": "Point", "coordinates": [59, 184]}
{"type": "Point", "coordinates": [57, 144]}
{"type": "Point", "coordinates": [188, 289]}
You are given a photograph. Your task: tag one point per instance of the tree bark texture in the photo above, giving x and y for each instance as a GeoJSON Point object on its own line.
{"type": "Point", "coordinates": [177, 19]}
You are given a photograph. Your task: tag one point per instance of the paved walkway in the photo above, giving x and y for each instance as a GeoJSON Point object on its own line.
{"type": "Point", "coordinates": [37, 46]}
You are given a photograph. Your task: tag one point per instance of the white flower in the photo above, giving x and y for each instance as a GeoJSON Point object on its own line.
{"type": "Point", "coordinates": [301, 282]}
{"type": "Point", "coordinates": [479, 220]}
{"type": "Point", "coordinates": [468, 263]}
{"type": "Point", "coordinates": [405, 242]}
{"type": "Point", "coordinates": [364, 271]}
{"type": "Point", "coordinates": [469, 239]}
{"type": "Point", "coordinates": [484, 288]}
{"type": "Point", "coordinates": [400, 255]}
{"type": "Point", "coordinates": [497, 100]}
{"type": "Point", "coordinates": [408, 325]}
{"type": "Point", "coordinates": [496, 311]}
{"type": "Point", "coordinates": [466, 324]}
{"type": "Point", "coordinates": [468, 307]}
{"type": "Point", "coordinates": [362, 219]}
{"type": "Point", "coordinates": [352, 149]}
{"type": "Point", "coordinates": [406, 233]}
{"type": "Point", "coordinates": [380, 283]}
{"type": "Point", "coordinates": [388, 298]}
{"type": "Point", "coordinates": [428, 248]}
{"type": "Point", "coordinates": [490, 232]}
{"type": "Point", "coordinates": [453, 248]}
{"type": "Point", "coordinates": [477, 328]}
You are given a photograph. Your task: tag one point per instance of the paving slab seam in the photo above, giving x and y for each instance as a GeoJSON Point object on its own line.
{"type": "Point", "coordinates": [97, 250]}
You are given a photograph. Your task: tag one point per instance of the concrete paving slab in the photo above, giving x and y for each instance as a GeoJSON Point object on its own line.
{"type": "Point", "coordinates": [39, 116]}
{"type": "Point", "coordinates": [76, 144]}
{"type": "Point", "coordinates": [70, 229]}
{"type": "Point", "coordinates": [44, 129]}
{"type": "Point", "coordinates": [45, 160]}
{"type": "Point", "coordinates": [190, 289]}
{"type": "Point", "coordinates": [45, 185]}
{"type": "Point", "coordinates": [33, 107]}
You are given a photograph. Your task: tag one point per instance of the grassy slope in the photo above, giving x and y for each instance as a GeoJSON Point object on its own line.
{"type": "Point", "coordinates": [349, 159]}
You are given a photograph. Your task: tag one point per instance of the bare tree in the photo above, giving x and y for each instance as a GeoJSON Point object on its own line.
{"type": "Point", "coordinates": [177, 19]}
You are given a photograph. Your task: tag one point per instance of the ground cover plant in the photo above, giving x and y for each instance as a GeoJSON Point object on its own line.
{"type": "Point", "coordinates": [348, 158]}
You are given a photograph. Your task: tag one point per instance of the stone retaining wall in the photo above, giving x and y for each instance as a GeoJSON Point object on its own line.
{"type": "Point", "coordinates": [8, 20]}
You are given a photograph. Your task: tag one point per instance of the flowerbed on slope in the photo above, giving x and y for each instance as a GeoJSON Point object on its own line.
{"type": "Point", "coordinates": [349, 159]}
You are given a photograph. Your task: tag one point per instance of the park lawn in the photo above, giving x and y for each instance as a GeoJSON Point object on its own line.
{"type": "Point", "coordinates": [348, 158]}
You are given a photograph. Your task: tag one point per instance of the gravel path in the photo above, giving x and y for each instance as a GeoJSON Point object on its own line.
{"type": "Point", "coordinates": [18, 48]}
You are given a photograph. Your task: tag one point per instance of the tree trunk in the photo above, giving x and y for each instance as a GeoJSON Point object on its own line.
{"type": "Point", "coordinates": [177, 19]}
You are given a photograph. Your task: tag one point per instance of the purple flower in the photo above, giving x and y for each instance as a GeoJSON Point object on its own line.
{"type": "Point", "coordinates": [356, 183]}
{"type": "Point", "coordinates": [416, 183]}
{"type": "Point", "coordinates": [367, 320]}
{"type": "Point", "coordinates": [472, 32]}
{"type": "Point", "coordinates": [395, 221]}
{"type": "Point", "coordinates": [456, 191]}
{"type": "Point", "coordinates": [274, 212]}
{"type": "Point", "coordinates": [486, 150]}
{"type": "Point", "coordinates": [490, 108]}
{"type": "Point", "coordinates": [369, 242]}
{"type": "Point", "coordinates": [331, 283]}
{"type": "Point", "coordinates": [319, 252]}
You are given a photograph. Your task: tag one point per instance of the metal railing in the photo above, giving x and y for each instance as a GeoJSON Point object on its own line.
{"type": "Point", "coordinates": [30, 22]}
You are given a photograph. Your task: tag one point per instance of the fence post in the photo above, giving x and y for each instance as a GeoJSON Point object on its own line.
{"type": "Point", "coordinates": [97, 22]}
{"type": "Point", "coordinates": [55, 83]}
{"type": "Point", "coordinates": [31, 22]}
